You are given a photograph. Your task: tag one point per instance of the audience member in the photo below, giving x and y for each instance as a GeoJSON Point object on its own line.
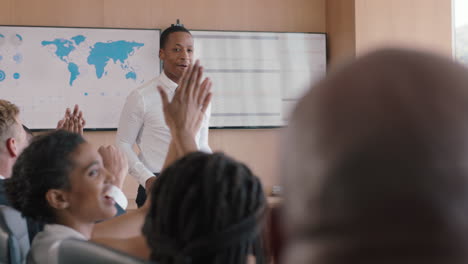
{"type": "Point", "coordinates": [206, 208]}
{"type": "Point", "coordinates": [13, 139]}
{"type": "Point", "coordinates": [60, 180]}
{"type": "Point", "coordinates": [375, 163]}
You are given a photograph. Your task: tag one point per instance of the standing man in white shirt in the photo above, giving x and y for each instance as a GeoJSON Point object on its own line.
{"type": "Point", "coordinates": [142, 119]}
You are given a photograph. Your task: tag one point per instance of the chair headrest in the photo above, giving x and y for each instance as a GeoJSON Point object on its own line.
{"type": "Point", "coordinates": [13, 221]}
{"type": "Point", "coordinates": [74, 251]}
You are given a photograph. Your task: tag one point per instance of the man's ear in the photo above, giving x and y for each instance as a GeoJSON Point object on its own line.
{"type": "Point", "coordinates": [11, 146]}
{"type": "Point", "coordinates": [162, 55]}
{"type": "Point", "coordinates": [57, 199]}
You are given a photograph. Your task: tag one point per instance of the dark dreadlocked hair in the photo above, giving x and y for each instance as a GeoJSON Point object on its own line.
{"type": "Point", "coordinates": [206, 208]}
{"type": "Point", "coordinates": [45, 164]}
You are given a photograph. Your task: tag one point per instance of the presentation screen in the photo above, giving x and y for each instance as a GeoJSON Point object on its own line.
{"type": "Point", "coordinates": [43, 70]}
{"type": "Point", "coordinates": [258, 76]}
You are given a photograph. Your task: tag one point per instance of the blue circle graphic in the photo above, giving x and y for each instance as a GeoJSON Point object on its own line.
{"type": "Point", "coordinates": [18, 58]}
{"type": "Point", "coordinates": [2, 75]}
{"type": "Point", "coordinates": [16, 76]}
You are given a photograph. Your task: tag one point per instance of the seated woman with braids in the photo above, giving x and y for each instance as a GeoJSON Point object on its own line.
{"type": "Point", "coordinates": [206, 209]}
{"type": "Point", "coordinates": [61, 180]}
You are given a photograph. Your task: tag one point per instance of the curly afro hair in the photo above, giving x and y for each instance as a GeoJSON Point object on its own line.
{"type": "Point", "coordinates": [45, 164]}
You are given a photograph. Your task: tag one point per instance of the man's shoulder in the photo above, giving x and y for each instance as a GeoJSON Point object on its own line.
{"type": "Point", "coordinates": [3, 198]}
{"type": "Point", "coordinates": [147, 89]}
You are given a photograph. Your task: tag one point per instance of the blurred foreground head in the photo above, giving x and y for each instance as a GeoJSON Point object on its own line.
{"type": "Point", "coordinates": [376, 163]}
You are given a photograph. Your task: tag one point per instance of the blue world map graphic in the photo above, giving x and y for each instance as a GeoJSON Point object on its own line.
{"type": "Point", "coordinates": [98, 56]}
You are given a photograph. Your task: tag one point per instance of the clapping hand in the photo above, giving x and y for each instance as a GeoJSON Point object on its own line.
{"type": "Point", "coordinates": [115, 162]}
{"type": "Point", "coordinates": [184, 114]}
{"type": "Point", "coordinates": [72, 122]}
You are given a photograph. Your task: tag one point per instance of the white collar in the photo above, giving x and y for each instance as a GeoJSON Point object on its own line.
{"type": "Point", "coordinates": [1, 177]}
{"type": "Point", "coordinates": [168, 83]}
{"type": "Point", "coordinates": [64, 230]}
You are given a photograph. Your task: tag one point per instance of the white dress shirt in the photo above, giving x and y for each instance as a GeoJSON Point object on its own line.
{"type": "Point", "coordinates": [142, 122]}
{"type": "Point", "coordinates": [44, 248]}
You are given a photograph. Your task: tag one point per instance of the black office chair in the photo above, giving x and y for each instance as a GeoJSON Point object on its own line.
{"type": "Point", "coordinates": [14, 238]}
{"type": "Point", "coordinates": [74, 251]}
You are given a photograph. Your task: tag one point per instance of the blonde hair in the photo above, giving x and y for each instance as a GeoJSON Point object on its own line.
{"type": "Point", "coordinates": [8, 114]}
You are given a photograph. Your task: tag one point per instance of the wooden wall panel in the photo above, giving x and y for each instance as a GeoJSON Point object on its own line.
{"type": "Point", "coordinates": [419, 24]}
{"type": "Point", "coordinates": [258, 15]}
{"type": "Point", "coordinates": [341, 31]}
{"type": "Point", "coordinates": [83, 13]}
{"type": "Point", "coordinates": [6, 12]}
{"type": "Point", "coordinates": [252, 147]}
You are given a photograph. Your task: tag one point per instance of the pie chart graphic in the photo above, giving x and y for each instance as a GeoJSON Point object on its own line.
{"type": "Point", "coordinates": [2, 76]}
{"type": "Point", "coordinates": [16, 39]}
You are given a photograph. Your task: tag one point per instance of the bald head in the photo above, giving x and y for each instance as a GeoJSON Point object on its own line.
{"type": "Point", "coordinates": [377, 158]}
